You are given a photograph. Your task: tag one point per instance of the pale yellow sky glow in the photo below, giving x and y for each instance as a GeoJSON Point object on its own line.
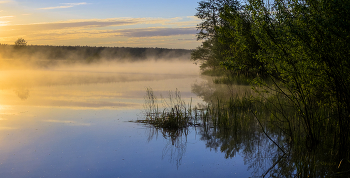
{"type": "Point", "coordinates": [46, 25]}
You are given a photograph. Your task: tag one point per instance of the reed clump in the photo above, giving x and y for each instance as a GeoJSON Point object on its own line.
{"type": "Point", "coordinates": [173, 114]}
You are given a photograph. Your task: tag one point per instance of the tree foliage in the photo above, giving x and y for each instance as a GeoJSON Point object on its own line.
{"type": "Point", "coordinates": [228, 44]}
{"type": "Point", "coordinates": [302, 46]}
{"type": "Point", "coordinates": [211, 53]}
{"type": "Point", "coordinates": [20, 42]}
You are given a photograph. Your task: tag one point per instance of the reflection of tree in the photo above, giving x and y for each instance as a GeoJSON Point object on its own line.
{"type": "Point", "coordinates": [233, 129]}
{"type": "Point", "coordinates": [22, 93]}
{"type": "Point", "coordinates": [236, 124]}
{"type": "Point", "coordinates": [176, 145]}
{"type": "Point", "coordinates": [242, 136]}
{"type": "Point", "coordinates": [210, 92]}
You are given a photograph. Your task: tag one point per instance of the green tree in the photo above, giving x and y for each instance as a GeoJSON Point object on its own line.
{"type": "Point", "coordinates": [20, 42]}
{"type": "Point", "coordinates": [210, 53]}
{"type": "Point", "coordinates": [302, 46]}
{"type": "Point", "coordinates": [241, 45]}
{"type": "Point", "coordinates": [228, 44]}
{"type": "Point", "coordinates": [306, 43]}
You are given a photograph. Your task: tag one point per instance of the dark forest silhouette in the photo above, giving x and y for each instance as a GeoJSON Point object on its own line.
{"type": "Point", "coordinates": [89, 53]}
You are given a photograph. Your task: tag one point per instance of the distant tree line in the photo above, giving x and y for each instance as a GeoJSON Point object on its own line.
{"type": "Point", "coordinates": [296, 50]}
{"type": "Point", "coordinates": [22, 51]}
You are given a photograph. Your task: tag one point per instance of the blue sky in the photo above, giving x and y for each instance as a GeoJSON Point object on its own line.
{"type": "Point", "coordinates": [134, 23]}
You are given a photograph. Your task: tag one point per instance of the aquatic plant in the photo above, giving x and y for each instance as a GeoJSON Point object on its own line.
{"type": "Point", "coordinates": [174, 113]}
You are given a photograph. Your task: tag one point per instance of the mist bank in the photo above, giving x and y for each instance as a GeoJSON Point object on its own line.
{"type": "Point", "coordinates": [49, 55]}
{"type": "Point", "coordinates": [102, 72]}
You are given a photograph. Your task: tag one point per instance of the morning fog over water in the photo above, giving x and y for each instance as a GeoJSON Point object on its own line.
{"type": "Point", "coordinates": [77, 120]}
{"type": "Point", "coordinates": [113, 118]}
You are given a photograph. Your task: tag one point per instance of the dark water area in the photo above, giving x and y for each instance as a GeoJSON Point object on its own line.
{"type": "Point", "coordinates": [81, 122]}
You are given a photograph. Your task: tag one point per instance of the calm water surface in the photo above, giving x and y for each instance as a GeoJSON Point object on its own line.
{"type": "Point", "coordinates": [75, 122]}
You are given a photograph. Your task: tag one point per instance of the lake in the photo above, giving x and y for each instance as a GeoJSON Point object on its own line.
{"type": "Point", "coordinates": [79, 121]}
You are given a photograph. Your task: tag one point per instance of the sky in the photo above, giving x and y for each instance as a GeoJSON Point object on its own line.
{"type": "Point", "coordinates": [119, 23]}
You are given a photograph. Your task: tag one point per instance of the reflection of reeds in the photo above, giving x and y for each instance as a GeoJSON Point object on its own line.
{"type": "Point", "coordinates": [176, 144]}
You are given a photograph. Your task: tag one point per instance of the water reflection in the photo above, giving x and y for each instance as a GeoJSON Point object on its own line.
{"type": "Point", "coordinates": [77, 126]}
{"type": "Point", "coordinates": [102, 85]}
{"type": "Point", "coordinates": [236, 126]}
{"type": "Point", "coordinates": [76, 121]}
{"type": "Point", "coordinates": [268, 149]}
{"type": "Point", "coordinates": [22, 93]}
{"type": "Point", "coordinates": [176, 143]}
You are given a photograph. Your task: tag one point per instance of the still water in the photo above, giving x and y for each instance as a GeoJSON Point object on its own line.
{"type": "Point", "coordinates": [77, 121]}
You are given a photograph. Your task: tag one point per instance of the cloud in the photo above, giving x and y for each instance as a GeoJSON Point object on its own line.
{"type": "Point", "coordinates": [75, 4]}
{"type": "Point", "coordinates": [103, 31]}
{"type": "Point", "coordinates": [3, 2]}
{"type": "Point", "coordinates": [3, 17]}
{"type": "Point", "coordinates": [148, 32]}
{"type": "Point", "coordinates": [125, 33]}
{"type": "Point", "coordinates": [4, 23]}
{"type": "Point", "coordinates": [73, 24]}
{"type": "Point", "coordinates": [99, 23]}
{"type": "Point", "coordinates": [187, 39]}
{"type": "Point", "coordinates": [65, 5]}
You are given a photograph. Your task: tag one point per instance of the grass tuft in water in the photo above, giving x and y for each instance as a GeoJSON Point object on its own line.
{"type": "Point", "coordinates": [174, 113]}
